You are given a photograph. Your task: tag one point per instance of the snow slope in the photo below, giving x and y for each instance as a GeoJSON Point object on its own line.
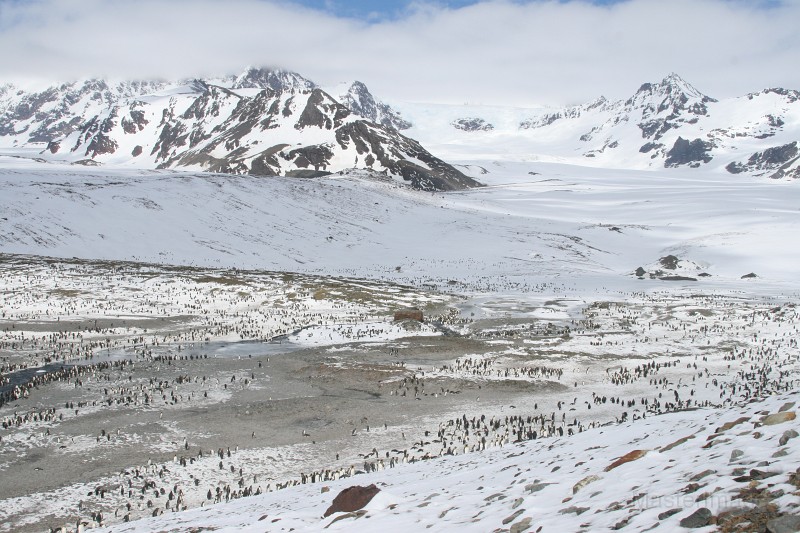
{"type": "Point", "coordinates": [533, 222]}
{"type": "Point", "coordinates": [728, 462]}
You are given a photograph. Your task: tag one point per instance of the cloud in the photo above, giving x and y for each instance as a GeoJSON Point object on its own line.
{"type": "Point", "coordinates": [490, 52]}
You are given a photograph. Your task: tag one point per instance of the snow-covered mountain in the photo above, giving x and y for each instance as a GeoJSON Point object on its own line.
{"type": "Point", "coordinates": [262, 122]}
{"type": "Point", "coordinates": [665, 124]}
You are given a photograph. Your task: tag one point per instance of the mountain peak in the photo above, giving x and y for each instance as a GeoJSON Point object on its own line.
{"type": "Point", "coordinates": [360, 101]}
{"type": "Point", "coordinates": [278, 80]}
{"type": "Point", "coordinates": [672, 87]}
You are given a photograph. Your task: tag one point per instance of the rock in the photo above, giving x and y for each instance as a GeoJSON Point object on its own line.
{"type": "Point", "coordinates": [582, 483]}
{"type": "Point", "coordinates": [735, 454]}
{"type": "Point", "coordinates": [701, 475]}
{"type": "Point", "coordinates": [513, 516]}
{"type": "Point", "coordinates": [574, 509]}
{"type": "Point", "coordinates": [749, 276]}
{"type": "Point", "coordinates": [352, 499]}
{"type": "Point", "coordinates": [786, 407]}
{"type": "Point", "coordinates": [627, 458]}
{"type": "Point", "coordinates": [778, 418]}
{"type": "Point", "coordinates": [756, 475]}
{"type": "Point", "coordinates": [780, 453]}
{"type": "Point", "coordinates": [728, 425]}
{"type": "Point", "coordinates": [669, 262]}
{"type": "Point", "coordinates": [535, 487]}
{"type": "Point", "coordinates": [788, 434]}
{"type": "Point", "coordinates": [667, 514]}
{"type": "Point", "coordinates": [411, 313]}
{"type": "Point", "coordinates": [640, 272]}
{"type": "Point", "coordinates": [784, 524]}
{"type": "Point", "coordinates": [699, 518]}
{"type": "Point", "coordinates": [521, 526]}
{"type": "Point", "coordinates": [137, 151]}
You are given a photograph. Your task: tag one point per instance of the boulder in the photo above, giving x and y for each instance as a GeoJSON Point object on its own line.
{"type": "Point", "coordinates": [352, 499]}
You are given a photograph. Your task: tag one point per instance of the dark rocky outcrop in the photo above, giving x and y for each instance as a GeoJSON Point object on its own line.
{"type": "Point", "coordinates": [691, 153]}
{"type": "Point", "coordinates": [776, 159]}
{"type": "Point", "coordinates": [472, 124]}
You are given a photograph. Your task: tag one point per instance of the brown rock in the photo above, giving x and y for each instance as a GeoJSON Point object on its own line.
{"type": "Point", "coordinates": [627, 458]}
{"type": "Point", "coordinates": [352, 499]}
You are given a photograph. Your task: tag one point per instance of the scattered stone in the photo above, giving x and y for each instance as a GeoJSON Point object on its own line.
{"type": "Point", "coordinates": [627, 458]}
{"type": "Point", "coordinates": [787, 435]}
{"type": "Point", "coordinates": [786, 407]}
{"type": "Point", "coordinates": [352, 499]}
{"type": "Point", "coordinates": [778, 418]}
{"type": "Point", "coordinates": [699, 518]}
{"type": "Point", "coordinates": [325, 489]}
{"type": "Point", "coordinates": [735, 454]}
{"type": "Point", "coordinates": [751, 275]}
{"type": "Point", "coordinates": [780, 453]}
{"type": "Point", "coordinates": [517, 503]}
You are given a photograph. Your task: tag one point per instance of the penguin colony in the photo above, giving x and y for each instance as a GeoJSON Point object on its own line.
{"type": "Point", "coordinates": [690, 351]}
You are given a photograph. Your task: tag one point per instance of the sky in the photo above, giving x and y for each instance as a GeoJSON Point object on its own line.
{"type": "Point", "coordinates": [490, 52]}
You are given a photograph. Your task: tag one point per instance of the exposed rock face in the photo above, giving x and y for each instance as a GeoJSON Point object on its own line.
{"type": "Point", "coordinates": [352, 499]}
{"type": "Point", "coordinates": [690, 153]}
{"type": "Point", "coordinates": [472, 124]}
{"type": "Point", "coordinates": [567, 113]}
{"type": "Point", "coordinates": [775, 161]}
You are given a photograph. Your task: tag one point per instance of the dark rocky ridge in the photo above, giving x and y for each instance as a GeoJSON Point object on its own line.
{"type": "Point", "coordinates": [775, 161]}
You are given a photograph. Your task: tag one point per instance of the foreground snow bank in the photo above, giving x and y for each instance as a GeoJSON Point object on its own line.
{"type": "Point", "coordinates": [705, 468]}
